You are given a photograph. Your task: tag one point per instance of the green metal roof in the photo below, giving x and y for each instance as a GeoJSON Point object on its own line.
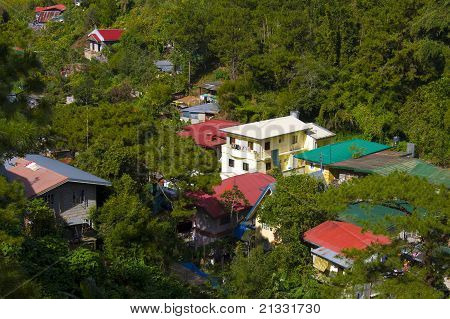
{"type": "Point", "coordinates": [416, 167]}
{"type": "Point", "coordinates": [363, 213]}
{"type": "Point", "coordinates": [341, 151]}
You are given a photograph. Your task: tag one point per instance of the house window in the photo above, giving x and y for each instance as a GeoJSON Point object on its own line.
{"type": "Point", "coordinates": [245, 166]}
{"type": "Point", "coordinates": [232, 140]}
{"type": "Point", "coordinates": [280, 139]}
{"type": "Point", "coordinates": [250, 146]}
{"type": "Point", "coordinates": [82, 196]}
{"type": "Point", "coordinates": [225, 220]}
{"type": "Point", "coordinates": [50, 199]}
{"type": "Point", "coordinates": [267, 146]}
{"type": "Point", "coordinates": [74, 198]}
{"type": "Point", "coordinates": [268, 166]}
{"type": "Point", "coordinates": [231, 162]}
{"type": "Point", "coordinates": [294, 139]}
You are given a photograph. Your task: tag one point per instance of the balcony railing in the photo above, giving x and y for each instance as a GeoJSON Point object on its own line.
{"type": "Point", "coordinates": [242, 151]}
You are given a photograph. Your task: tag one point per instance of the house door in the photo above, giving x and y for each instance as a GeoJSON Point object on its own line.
{"type": "Point", "coordinates": [275, 158]}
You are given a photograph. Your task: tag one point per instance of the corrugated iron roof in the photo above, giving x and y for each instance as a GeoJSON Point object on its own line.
{"type": "Point", "coordinates": [164, 65]}
{"type": "Point", "coordinates": [367, 163]}
{"type": "Point", "coordinates": [45, 16]}
{"type": "Point", "coordinates": [417, 167]}
{"type": "Point", "coordinates": [269, 128]}
{"type": "Point", "coordinates": [250, 184]}
{"type": "Point", "coordinates": [387, 162]}
{"type": "Point", "coordinates": [338, 236]}
{"type": "Point", "coordinates": [279, 126]}
{"type": "Point", "coordinates": [318, 132]}
{"type": "Point", "coordinates": [106, 35]}
{"type": "Point", "coordinates": [57, 7]}
{"type": "Point", "coordinates": [214, 86]}
{"type": "Point", "coordinates": [212, 108]}
{"type": "Point", "coordinates": [208, 134]}
{"type": "Point", "coordinates": [342, 151]}
{"type": "Point", "coordinates": [362, 213]}
{"type": "Point", "coordinates": [268, 190]}
{"type": "Point", "coordinates": [333, 257]}
{"type": "Point", "coordinates": [35, 178]}
{"type": "Point", "coordinates": [39, 174]}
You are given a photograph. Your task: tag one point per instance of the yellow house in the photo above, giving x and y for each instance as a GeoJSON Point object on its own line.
{"type": "Point", "coordinates": [261, 146]}
{"type": "Point", "coordinates": [325, 160]}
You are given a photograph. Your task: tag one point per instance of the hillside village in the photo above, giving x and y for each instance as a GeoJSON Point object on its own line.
{"type": "Point", "coordinates": [151, 150]}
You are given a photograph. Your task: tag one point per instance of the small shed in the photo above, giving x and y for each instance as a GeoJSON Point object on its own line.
{"type": "Point", "coordinates": [200, 113]}
{"type": "Point", "coordinates": [165, 66]}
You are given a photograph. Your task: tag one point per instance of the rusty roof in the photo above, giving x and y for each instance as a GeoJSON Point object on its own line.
{"type": "Point", "coordinates": [367, 163]}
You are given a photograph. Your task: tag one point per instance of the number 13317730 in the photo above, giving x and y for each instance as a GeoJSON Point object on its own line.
{"type": "Point", "coordinates": [289, 308]}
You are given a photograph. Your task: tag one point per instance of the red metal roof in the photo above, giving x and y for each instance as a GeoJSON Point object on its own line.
{"type": "Point", "coordinates": [338, 236]}
{"type": "Point", "coordinates": [58, 7]}
{"type": "Point", "coordinates": [110, 34]}
{"type": "Point", "coordinates": [251, 185]}
{"type": "Point", "coordinates": [45, 16]}
{"type": "Point", "coordinates": [207, 134]}
{"type": "Point", "coordinates": [36, 179]}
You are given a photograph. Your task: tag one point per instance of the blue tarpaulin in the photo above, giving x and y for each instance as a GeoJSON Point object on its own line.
{"type": "Point", "coordinates": [192, 267]}
{"type": "Point", "coordinates": [240, 230]}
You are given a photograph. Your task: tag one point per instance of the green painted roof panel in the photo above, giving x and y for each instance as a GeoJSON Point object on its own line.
{"type": "Point", "coordinates": [416, 167]}
{"type": "Point", "coordinates": [363, 212]}
{"type": "Point", "coordinates": [341, 151]}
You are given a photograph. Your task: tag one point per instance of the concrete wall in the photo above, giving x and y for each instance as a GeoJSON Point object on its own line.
{"type": "Point", "coordinates": [267, 233]}
{"type": "Point", "coordinates": [66, 200]}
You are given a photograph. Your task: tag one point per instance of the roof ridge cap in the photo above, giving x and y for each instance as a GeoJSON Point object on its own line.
{"type": "Point", "coordinates": [340, 225]}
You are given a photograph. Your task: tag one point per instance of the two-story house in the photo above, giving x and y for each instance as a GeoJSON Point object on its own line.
{"type": "Point", "coordinates": [212, 219]}
{"type": "Point", "coordinates": [69, 191]}
{"type": "Point", "coordinates": [261, 146]}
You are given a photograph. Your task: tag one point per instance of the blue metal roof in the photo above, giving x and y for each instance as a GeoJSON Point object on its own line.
{"type": "Point", "coordinates": [203, 108]}
{"type": "Point", "coordinates": [73, 174]}
{"type": "Point", "coordinates": [240, 230]}
{"type": "Point", "coordinates": [271, 187]}
{"type": "Point", "coordinates": [332, 256]}
{"type": "Point", "coordinates": [164, 65]}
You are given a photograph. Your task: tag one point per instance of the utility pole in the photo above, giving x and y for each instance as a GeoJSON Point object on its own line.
{"type": "Point", "coordinates": [189, 78]}
{"type": "Point", "coordinates": [321, 161]}
{"type": "Point", "coordinates": [87, 131]}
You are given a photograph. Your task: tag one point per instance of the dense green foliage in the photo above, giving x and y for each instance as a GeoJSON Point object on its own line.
{"type": "Point", "coordinates": [375, 68]}
{"type": "Point", "coordinates": [428, 221]}
{"type": "Point", "coordinates": [353, 66]}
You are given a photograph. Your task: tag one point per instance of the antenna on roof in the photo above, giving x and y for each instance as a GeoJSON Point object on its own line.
{"type": "Point", "coordinates": [321, 161]}
{"type": "Point", "coordinates": [330, 153]}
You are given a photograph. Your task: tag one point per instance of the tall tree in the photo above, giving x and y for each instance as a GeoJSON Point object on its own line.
{"type": "Point", "coordinates": [428, 220]}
